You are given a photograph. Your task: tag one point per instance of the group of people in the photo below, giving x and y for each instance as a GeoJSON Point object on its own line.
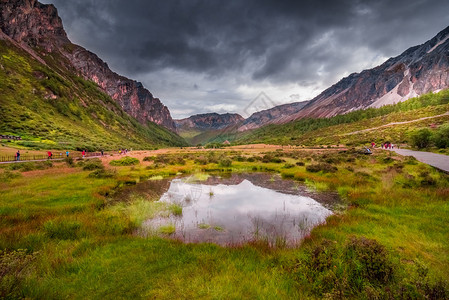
{"type": "Point", "coordinates": [386, 145]}
{"type": "Point", "coordinates": [67, 154]}
{"type": "Point", "coordinates": [123, 151]}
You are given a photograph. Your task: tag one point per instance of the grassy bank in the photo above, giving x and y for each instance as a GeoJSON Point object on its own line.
{"type": "Point", "coordinates": [76, 225]}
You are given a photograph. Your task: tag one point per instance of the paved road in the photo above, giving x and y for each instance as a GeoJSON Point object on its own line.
{"type": "Point", "coordinates": [439, 161]}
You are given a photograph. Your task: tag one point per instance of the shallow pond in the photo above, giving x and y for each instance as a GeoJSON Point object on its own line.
{"type": "Point", "coordinates": [242, 208]}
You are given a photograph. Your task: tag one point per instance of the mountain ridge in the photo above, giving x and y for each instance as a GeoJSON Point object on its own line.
{"type": "Point", "coordinates": [39, 30]}
{"type": "Point", "coordinates": [418, 70]}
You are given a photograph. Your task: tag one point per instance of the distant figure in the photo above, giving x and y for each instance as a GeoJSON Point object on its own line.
{"type": "Point", "coordinates": [49, 154]}
{"type": "Point", "coordinates": [102, 152]}
{"type": "Point", "coordinates": [367, 151]}
{"type": "Point", "coordinates": [382, 145]}
{"type": "Point", "coordinates": [83, 153]}
{"type": "Point", "coordinates": [120, 151]}
{"type": "Point", "coordinates": [67, 153]}
{"type": "Point", "coordinates": [373, 145]}
{"type": "Point", "coordinates": [392, 146]}
{"type": "Point", "coordinates": [18, 155]}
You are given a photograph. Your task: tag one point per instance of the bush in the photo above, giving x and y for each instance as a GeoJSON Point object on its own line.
{"type": "Point", "coordinates": [149, 158]}
{"type": "Point", "coordinates": [420, 138]}
{"type": "Point", "coordinates": [369, 260]}
{"type": "Point", "coordinates": [93, 164]}
{"type": "Point", "coordinates": [226, 162]}
{"type": "Point", "coordinates": [101, 173]}
{"type": "Point", "coordinates": [323, 167]}
{"type": "Point", "coordinates": [30, 166]}
{"type": "Point", "coordinates": [69, 161]}
{"type": "Point", "coordinates": [125, 161]}
{"type": "Point", "coordinates": [360, 267]}
{"type": "Point", "coordinates": [441, 137]}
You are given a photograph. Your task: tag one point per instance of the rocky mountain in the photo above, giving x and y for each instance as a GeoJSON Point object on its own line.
{"type": "Point", "coordinates": [200, 128]}
{"type": "Point", "coordinates": [37, 29]}
{"type": "Point", "coordinates": [276, 114]}
{"type": "Point", "coordinates": [418, 70]}
{"type": "Point", "coordinates": [209, 121]}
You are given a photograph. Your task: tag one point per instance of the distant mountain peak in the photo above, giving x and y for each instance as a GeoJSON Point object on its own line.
{"type": "Point", "coordinates": [418, 70]}
{"type": "Point", "coordinates": [209, 121]}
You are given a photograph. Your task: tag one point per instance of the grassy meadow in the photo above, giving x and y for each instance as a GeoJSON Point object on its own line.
{"type": "Point", "coordinates": [69, 230]}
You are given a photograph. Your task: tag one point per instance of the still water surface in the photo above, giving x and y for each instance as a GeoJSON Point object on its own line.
{"type": "Point", "coordinates": [242, 208]}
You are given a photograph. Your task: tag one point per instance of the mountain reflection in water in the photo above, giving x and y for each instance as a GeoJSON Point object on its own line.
{"type": "Point", "coordinates": [242, 208]}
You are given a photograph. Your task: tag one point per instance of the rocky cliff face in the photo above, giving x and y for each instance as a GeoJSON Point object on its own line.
{"type": "Point", "coordinates": [38, 29]}
{"type": "Point", "coordinates": [419, 70]}
{"type": "Point", "coordinates": [211, 121]}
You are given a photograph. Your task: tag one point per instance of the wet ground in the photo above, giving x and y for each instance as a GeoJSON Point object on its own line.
{"type": "Point", "coordinates": [232, 209]}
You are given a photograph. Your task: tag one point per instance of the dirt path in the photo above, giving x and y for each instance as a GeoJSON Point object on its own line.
{"type": "Point", "coordinates": [31, 160]}
{"type": "Point", "coordinates": [439, 161]}
{"type": "Point", "coordinates": [397, 123]}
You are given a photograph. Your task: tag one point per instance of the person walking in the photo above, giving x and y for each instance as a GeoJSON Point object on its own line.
{"type": "Point", "coordinates": [49, 155]}
{"type": "Point", "coordinates": [67, 153]}
{"type": "Point", "coordinates": [18, 155]}
{"type": "Point", "coordinates": [102, 152]}
{"type": "Point", "coordinates": [83, 153]}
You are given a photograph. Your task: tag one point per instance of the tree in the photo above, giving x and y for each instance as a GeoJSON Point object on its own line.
{"type": "Point", "coordinates": [420, 138]}
{"type": "Point", "coordinates": [441, 137]}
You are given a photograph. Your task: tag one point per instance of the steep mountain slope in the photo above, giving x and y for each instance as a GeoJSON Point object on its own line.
{"type": "Point", "coordinates": [387, 123]}
{"type": "Point", "coordinates": [419, 70]}
{"type": "Point", "coordinates": [276, 114]}
{"type": "Point", "coordinates": [38, 29]}
{"type": "Point", "coordinates": [198, 128]}
{"type": "Point", "coordinates": [44, 98]}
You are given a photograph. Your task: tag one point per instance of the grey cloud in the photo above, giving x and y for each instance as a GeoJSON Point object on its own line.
{"type": "Point", "coordinates": [311, 43]}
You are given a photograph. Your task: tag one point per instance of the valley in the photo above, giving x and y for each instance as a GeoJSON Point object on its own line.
{"type": "Point", "coordinates": [300, 200]}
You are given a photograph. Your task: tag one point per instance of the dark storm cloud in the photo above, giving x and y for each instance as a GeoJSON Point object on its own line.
{"type": "Point", "coordinates": [278, 42]}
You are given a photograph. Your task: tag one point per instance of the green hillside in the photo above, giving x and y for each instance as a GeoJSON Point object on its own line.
{"type": "Point", "coordinates": [358, 127]}
{"type": "Point", "coordinates": [51, 107]}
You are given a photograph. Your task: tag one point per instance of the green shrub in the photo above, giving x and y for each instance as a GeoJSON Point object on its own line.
{"type": "Point", "coordinates": [288, 166]}
{"type": "Point", "coordinates": [369, 260]}
{"type": "Point", "coordinates": [420, 138]}
{"type": "Point", "coordinates": [69, 161]}
{"type": "Point", "coordinates": [321, 167]}
{"type": "Point", "coordinates": [102, 173]}
{"type": "Point", "coordinates": [226, 162]}
{"type": "Point", "coordinates": [125, 161]}
{"type": "Point", "coordinates": [441, 137]}
{"type": "Point", "coordinates": [361, 267]}
{"type": "Point", "coordinates": [30, 166]}
{"type": "Point", "coordinates": [149, 158]}
{"type": "Point", "coordinates": [93, 164]}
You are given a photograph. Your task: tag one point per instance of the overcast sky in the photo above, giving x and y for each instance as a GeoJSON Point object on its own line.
{"type": "Point", "coordinates": [217, 56]}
